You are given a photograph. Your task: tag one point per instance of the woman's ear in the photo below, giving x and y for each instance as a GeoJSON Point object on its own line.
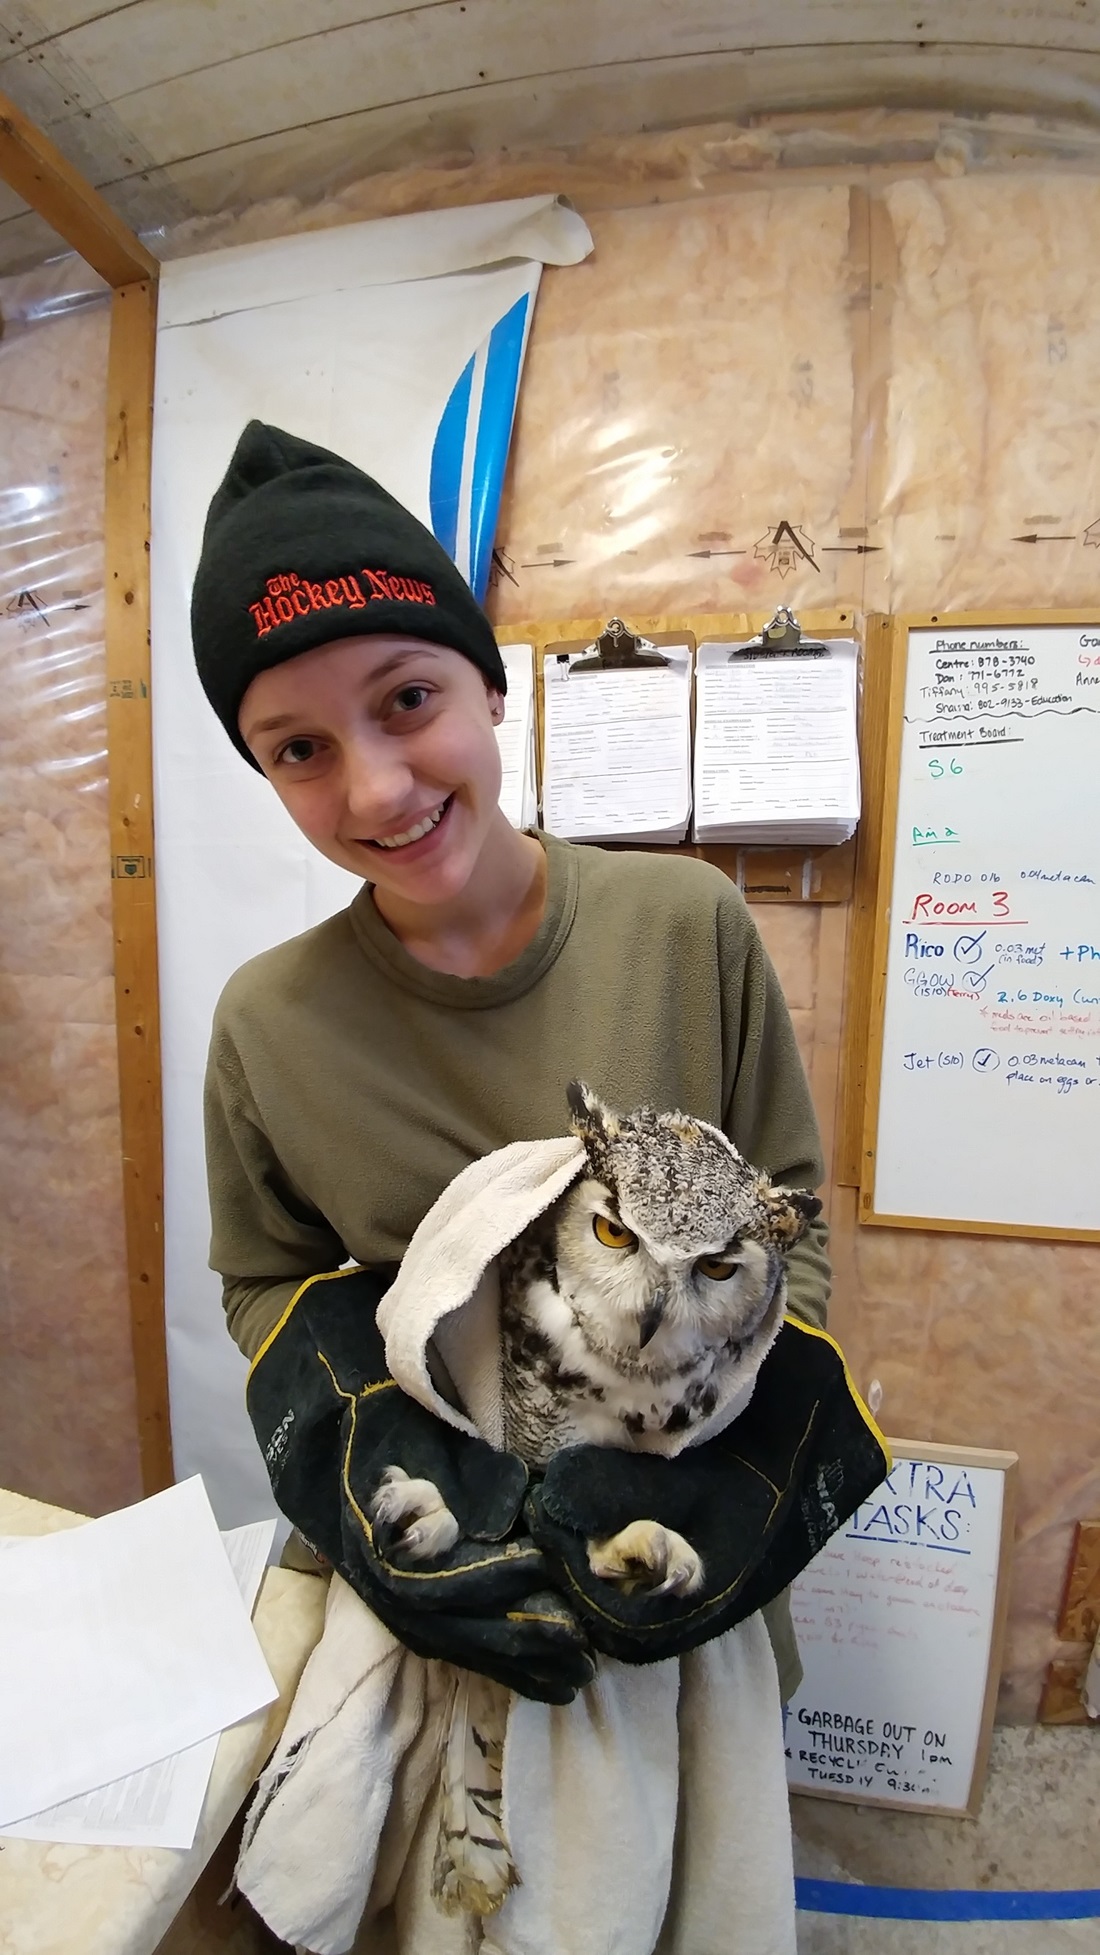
{"type": "Point", "coordinates": [496, 705]}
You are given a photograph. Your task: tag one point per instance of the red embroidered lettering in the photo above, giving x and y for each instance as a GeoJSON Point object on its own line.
{"type": "Point", "coordinates": [298, 599]}
{"type": "Point", "coordinates": [379, 586]}
{"type": "Point", "coordinates": [427, 595]}
{"type": "Point", "coordinates": [284, 608]}
{"type": "Point", "coordinates": [332, 591]}
{"type": "Point", "coordinates": [316, 596]}
{"type": "Point", "coordinates": [353, 592]}
{"type": "Point", "coordinates": [262, 617]}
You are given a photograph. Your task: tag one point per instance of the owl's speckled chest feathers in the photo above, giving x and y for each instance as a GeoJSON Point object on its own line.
{"type": "Point", "coordinates": [563, 1384]}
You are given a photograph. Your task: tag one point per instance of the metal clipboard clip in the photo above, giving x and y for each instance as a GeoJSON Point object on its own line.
{"type": "Point", "coordinates": [780, 639]}
{"type": "Point", "coordinates": [618, 649]}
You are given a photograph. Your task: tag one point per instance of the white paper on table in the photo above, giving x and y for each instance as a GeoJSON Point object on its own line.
{"type": "Point", "coordinates": [617, 749]}
{"type": "Point", "coordinates": [516, 737]}
{"type": "Point", "coordinates": [776, 741]}
{"type": "Point", "coordinates": [129, 1641]}
{"type": "Point", "coordinates": [162, 1805]}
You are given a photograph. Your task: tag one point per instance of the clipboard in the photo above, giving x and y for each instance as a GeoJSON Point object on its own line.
{"type": "Point", "coordinates": [617, 755]}
{"type": "Point", "coordinates": [777, 746]}
{"type": "Point", "coordinates": [764, 875]}
{"type": "Point", "coordinates": [618, 649]}
{"type": "Point", "coordinates": [781, 638]}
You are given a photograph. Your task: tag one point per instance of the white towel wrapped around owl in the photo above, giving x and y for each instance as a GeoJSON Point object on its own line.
{"type": "Point", "coordinates": [650, 1814]}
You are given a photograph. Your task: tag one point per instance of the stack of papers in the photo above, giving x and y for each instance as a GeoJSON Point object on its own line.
{"type": "Point", "coordinates": [776, 745]}
{"type": "Point", "coordinates": [519, 796]}
{"type": "Point", "coordinates": [132, 1647]}
{"type": "Point", "coordinates": [617, 750]}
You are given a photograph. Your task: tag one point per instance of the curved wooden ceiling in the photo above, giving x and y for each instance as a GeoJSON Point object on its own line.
{"type": "Point", "coordinates": [174, 107]}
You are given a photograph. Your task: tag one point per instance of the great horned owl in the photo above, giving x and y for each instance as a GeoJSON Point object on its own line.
{"type": "Point", "coordinates": [627, 1312]}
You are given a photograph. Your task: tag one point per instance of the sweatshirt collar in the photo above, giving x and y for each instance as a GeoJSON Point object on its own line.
{"type": "Point", "coordinates": [378, 943]}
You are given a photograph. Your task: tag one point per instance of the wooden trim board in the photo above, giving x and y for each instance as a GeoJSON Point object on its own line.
{"type": "Point", "coordinates": [37, 172]}
{"type": "Point", "coordinates": [880, 676]}
{"type": "Point", "coordinates": [133, 889]}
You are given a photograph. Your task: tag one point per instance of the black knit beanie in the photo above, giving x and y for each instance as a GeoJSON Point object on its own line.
{"type": "Point", "coordinates": [300, 548]}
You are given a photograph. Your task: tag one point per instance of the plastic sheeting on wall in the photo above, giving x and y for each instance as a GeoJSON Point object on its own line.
{"type": "Point", "coordinates": [68, 1430]}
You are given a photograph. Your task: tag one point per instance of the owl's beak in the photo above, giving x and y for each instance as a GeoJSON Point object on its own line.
{"type": "Point", "coordinates": [652, 1318]}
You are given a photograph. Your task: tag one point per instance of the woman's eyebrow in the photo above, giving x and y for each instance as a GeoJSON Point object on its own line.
{"type": "Point", "coordinates": [399, 658]}
{"type": "Point", "coordinates": [382, 671]}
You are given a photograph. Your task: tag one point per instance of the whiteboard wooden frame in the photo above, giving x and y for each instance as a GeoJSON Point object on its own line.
{"type": "Point", "coordinates": [994, 1461]}
{"type": "Point", "coordinates": [898, 632]}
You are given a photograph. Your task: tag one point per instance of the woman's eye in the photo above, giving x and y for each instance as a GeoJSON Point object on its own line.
{"type": "Point", "coordinates": [296, 752]}
{"type": "Point", "coordinates": [612, 1234]}
{"type": "Point", "coordinates": [410, 698]}
{"type": "Point", "coordinates": [714, 1268]}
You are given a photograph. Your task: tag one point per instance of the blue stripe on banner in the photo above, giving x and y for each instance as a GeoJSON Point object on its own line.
{"type": "Point", "coordinates": [945, 1904]}
{"type": "Point", "coordinates": [494, 432]}
{"type": "Point", "coordinates": [445, 480]}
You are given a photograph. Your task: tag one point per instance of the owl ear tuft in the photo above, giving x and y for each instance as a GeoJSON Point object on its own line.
{"type": "Point", "coordinates": [593, 1122]}
{"type": "Point", "coordinates": [586, 1108]}
{"type": "Point", "coordinates": [786, 1213]}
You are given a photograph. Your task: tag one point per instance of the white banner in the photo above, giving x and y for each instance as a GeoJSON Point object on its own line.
{"type": "Point", "coordinates": [398, 344]}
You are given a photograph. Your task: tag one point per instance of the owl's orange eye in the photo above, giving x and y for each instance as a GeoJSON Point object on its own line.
{"type": "Point", "coordinates": [715, 1268]}
{"type": "Point", "coordinates": [612, 1234]}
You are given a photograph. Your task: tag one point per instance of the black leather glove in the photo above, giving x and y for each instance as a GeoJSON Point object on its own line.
{"type": "Point", "coordinates": [757, 1503]}
{"type": "Point", "coordinates": [330, 1421]}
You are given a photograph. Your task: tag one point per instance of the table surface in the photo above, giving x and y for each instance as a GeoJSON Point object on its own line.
{"type": "Point", "coordinates": [114, 1900]}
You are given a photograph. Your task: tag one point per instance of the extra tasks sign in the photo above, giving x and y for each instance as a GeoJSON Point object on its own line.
{"type": "Point", "coordinates": [899, 1623]}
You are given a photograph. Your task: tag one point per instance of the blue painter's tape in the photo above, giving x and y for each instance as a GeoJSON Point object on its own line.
{"type": "Point", "coordinates": [494, 434]}
{"type": "Point", "coordinates": [445, 480]}
{"type": "Point", "coordinates": [478, 449]}
{"type": "Point", "coordinates": [945, 1904]}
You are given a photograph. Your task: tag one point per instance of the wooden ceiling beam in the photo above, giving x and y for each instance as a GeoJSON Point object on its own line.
{"type": "Point", "coordinates": [37, 172]}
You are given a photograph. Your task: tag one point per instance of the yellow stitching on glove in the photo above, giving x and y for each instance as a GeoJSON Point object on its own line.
{"type": "Point", "coordinates": [323, 1276]}
{"type": "Point", "coordinates": [811, 1330]}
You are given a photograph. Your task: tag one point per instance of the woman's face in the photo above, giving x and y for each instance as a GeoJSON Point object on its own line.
{"type": "Point", "coordinates": [382, 750]}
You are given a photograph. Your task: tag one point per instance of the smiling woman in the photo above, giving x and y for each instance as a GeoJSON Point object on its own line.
{"type": "Point", "coordinates": [355, 1071]}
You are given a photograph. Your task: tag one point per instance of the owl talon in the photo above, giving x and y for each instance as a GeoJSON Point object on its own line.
{"type": "Point", "coordinates": [646, 1555]}
{"type": "Point", "coordinates": [430, 1527]}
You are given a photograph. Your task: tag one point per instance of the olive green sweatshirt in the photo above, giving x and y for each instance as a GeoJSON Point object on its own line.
{"type": "Point", "coordinates": [348, 1084]}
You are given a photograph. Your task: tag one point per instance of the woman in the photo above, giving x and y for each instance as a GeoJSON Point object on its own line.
{"type": "Point", "coordinates": [355, 1070]}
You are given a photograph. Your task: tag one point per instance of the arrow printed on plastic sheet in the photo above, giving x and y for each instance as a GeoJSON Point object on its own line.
{"type": "Point", "coordinates": [850, 549]}
{"type": "Point", "coordinates": [1036, 538]}
{"type": "Point", "coordinates": [718, 553]}
{"type": "Point", "coordinates": [549, 563]}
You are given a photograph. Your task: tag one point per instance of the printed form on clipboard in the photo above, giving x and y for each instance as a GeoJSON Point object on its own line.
{"type": "Point", "coordinates": [776, 739]}
{"type": "Point", "coordinates": [617, 738]}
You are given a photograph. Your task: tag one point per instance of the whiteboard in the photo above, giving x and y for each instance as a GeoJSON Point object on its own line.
{"type": "Point", "coordinates": [899, 1622]}
{"type": "Point", "coordinates": [989, 1092]}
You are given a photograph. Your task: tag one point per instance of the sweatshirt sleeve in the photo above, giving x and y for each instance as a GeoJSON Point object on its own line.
{"type": "Point", "coordinates": [768, 1112]}
{"type": "Point", "coordinates": [266, 1236]}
